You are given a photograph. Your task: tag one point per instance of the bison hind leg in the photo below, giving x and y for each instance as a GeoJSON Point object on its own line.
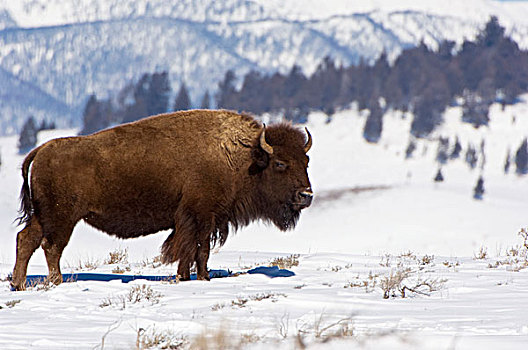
{"type": "Point", "coordinates": [179, 247]}
{"type": "Point", "coordinates": [28, 240]}
{"type": "Point", "coordinates": [57, 234]}
{"type": "Point", "coordinates": [53, 252]}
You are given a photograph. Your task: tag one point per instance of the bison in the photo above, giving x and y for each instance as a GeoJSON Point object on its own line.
{"type": "Point", "coordinates": [195, 172]}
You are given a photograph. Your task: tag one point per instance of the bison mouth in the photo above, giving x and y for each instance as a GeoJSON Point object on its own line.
{"type": "Point", "coordinates": [288, 213]}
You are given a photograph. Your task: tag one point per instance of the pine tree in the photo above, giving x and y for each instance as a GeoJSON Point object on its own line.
{"type": "Point", "coordinates": [206, 101]}
{"type": "Point", "coordinates": [374, 123]}
{"type": "Point", "coordinates": [226, 91]}
{"type": "Point", "coordinates": [44, 125]}
{"type": "Point", "coordinates": [439, 177]}
{"type": "Point", "coordinates": [471, 157]}
{"type": "Point", "coordinates": [158, 93]}
{"type": "Point", "coordinates": [478, 191]}
{"type": "Point", "coordinates": [140, 108]}
{"type": "Point", "coordinates": [521, 158]}
{"type": "Point", "coordinates": [28, 136]}
{"type": "Point", "coordinates": [507, 163]}
{"type": "Point", "coordinates": [475, 109]}
{"type": "Point", "coordinates": [182, 102]}
{"type": "Point", "coordinates": [410, 149]}
{"type": "Point", "coordinates": [457, 148]}
{"type": "Point", "coordinates": [93, 118]}
{"type": "Point", "coordinates": [492, 34]}
{"type": "Point", "coordinates": [443, 146]}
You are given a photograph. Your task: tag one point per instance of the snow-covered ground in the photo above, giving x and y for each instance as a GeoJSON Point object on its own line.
{"type": "Point", "coordinates": [375, 215]}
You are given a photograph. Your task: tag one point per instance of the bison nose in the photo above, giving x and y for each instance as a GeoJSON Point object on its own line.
{"type": "Point", "coordinates": [305, 197]}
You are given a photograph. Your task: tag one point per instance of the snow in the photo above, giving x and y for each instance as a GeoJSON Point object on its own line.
{"type": "Point", "coordinates": [374, 213]}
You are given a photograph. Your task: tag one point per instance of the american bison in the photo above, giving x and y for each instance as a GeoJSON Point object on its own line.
{"type": "Point", "coordinates": [195, 172]}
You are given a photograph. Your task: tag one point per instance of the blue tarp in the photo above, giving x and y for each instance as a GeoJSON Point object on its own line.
{"type": "Point", "coordinates": [272, 272]}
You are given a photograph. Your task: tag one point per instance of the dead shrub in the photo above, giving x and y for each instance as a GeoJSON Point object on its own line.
{"type": "Point", "coordinates": [154, 263]}
{"type": "Point", "coordinates": [135, 295]}
{"type": "Point", "coordinates": [241, 301]}
{"type": "Point", "coordinates": [482, 254]}
{"type": "Point", "coordinates": [516, 257]}
{"type": "Point", "coordinates": [118, 256]}
{"type": "Point", "coordinates": [406, 275]}
{"type": "Point", "coordinates": [159, 339]}
{"type": "Point", "coordinates": [323, 331]}
{"type": "Point", "coordinates": [12, 303]}
{"type": "Point", "coordinates": [285, 262]}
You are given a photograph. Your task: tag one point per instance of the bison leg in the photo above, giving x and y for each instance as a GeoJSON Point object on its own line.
{"type": "Point", "coordinates": [202, 256]}
{"type": "Point", "coordinates": [180, 246]}
{"type": "Point", "coordinates": [28, 240]}
{"type": "Point", "coordinates": [53, 245]}
{"type": "Point", "coordinates": [184, 270]}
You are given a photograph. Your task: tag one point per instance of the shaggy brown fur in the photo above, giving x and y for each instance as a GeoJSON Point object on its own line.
{"type": "Point", "coordinates": [195, 172]}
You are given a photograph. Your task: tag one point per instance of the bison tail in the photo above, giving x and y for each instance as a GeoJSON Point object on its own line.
{"type": "Point", "coordinates": [26, 204]}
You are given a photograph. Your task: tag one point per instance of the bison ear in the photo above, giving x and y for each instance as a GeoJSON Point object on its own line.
{"type": "Point", "coordinates": [260, 161]}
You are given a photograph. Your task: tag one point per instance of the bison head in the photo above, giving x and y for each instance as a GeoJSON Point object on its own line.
{"type": "Point", "coordinates": [280, 164]}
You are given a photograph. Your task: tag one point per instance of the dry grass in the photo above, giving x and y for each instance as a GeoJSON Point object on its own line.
{"type": "Point", "coordinates": [154, 263]}
{"type": "Point", "coordinates": [369, 283]}
{"type": "Point", "coordinates": [399, 283]}
{"type": "Point", "coordinates": [515, 258]}
{"type": "Point", "coordinates": [451, 264]}
{"type": "Point", "coordinates": [482, 254]}
{"type": "Point", "coordinates": [88, 263]}
{"type": "Point", "coordinates": [323, 331]}
{"type": "Point", "coordinates": [44, 284]}
{"type": "Point", "coordinates": [407, 274]}
{"type": "Point", "coordinates": [222, 339]}
{"type": "Point", "coordinates": [12, 303]}
{"type": "Point", "coordinates": [152, 338]}
{"type": "Point", "coordinates": [285, 262]}
{"type": "Point", "coordinates": [242, 301]}
{"type": "Point", "coordinates": [118, 256]}
{"type": "Point", "coordinates": [137, 294]}
{"type": "Point", "coordinates": [119, 270]}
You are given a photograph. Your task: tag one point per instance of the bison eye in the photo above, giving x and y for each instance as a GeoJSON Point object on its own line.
{"type": "Point", "coordinates": [281, 166]}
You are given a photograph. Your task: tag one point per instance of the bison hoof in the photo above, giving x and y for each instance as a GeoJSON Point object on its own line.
{"type": "Point", "coordinates": [18, 287]}
{"type": "Point", "coordinates": [203, 277]}
{"type": "Point", "coordinates": [55, 279]}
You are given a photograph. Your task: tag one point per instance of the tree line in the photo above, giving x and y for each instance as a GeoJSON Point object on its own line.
{"type": "Point", "coordinates": [148, 96]}
{"type": "Point", "coordinates": [490, 69]}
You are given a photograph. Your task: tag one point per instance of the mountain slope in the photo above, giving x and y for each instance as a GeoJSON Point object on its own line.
{"type": "Point", "coordinates": [20, 99]}
{"type": "Point", "coordinates": [70, 49]}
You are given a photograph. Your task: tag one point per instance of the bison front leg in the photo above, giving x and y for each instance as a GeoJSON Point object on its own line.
{"type": "Point", "coordinates": [181, 247]}
{"type": "Point", "coordinates": [202, 256]}
{"type": "Point", "coordinates": [28, 240]}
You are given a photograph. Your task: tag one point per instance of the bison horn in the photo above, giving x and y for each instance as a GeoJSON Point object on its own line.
{"type": "Point", "coordinates": [309, 142]}
{"type": "Point", "coordinates": [265, 146]}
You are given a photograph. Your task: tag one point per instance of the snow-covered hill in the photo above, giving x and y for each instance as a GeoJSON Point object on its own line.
{"type": "Point", "coordinates": [69, 49]}
{"type": "Point", "coordinates": [369, 202]}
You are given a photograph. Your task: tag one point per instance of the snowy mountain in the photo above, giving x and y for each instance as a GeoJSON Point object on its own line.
{"type": "Point", "coordinates": [70, 49]}
{"type": "Point", "coordinates": [20, 99]}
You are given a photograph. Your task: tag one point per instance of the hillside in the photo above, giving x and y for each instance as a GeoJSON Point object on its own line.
{"type": "Point", "coordinates": [71, 49]}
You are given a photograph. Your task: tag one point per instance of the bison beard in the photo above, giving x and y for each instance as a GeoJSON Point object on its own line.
{"type": "Point", "coordinates": [287, 217]}
{"type": "Point", "coordinates": [195, 172]}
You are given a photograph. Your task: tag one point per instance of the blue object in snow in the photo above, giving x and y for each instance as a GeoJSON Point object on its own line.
{"type": "Point", "coordinates": [105, 277]}
{"type": "Point", "coordinates": [272, 271]}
